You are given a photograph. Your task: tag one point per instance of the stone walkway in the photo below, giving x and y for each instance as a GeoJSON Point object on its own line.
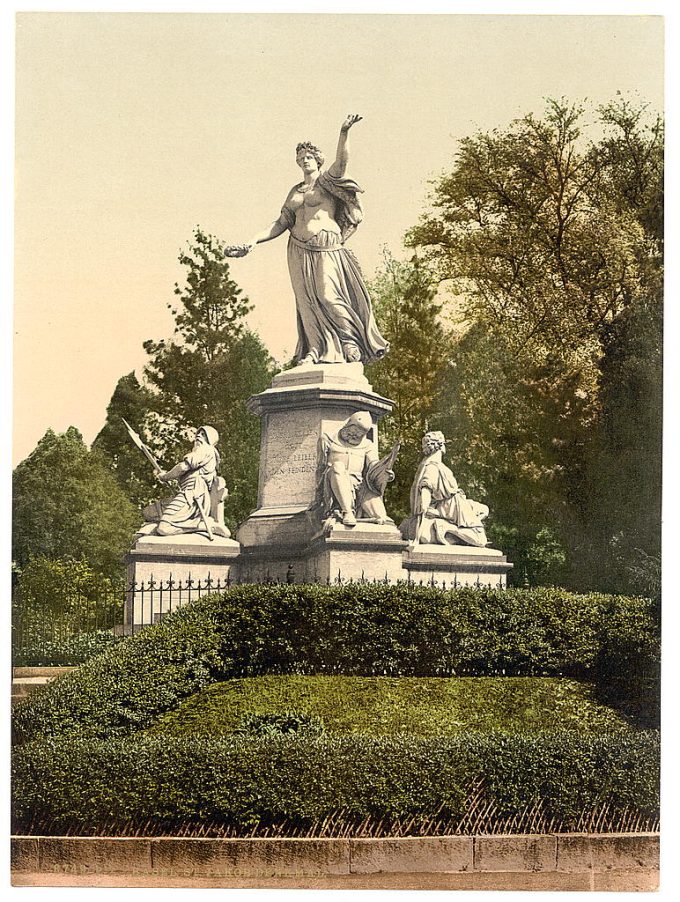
{"type": "Point", "coordinates": [26, 679]}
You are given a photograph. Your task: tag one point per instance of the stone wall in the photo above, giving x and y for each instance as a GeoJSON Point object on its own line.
{"type": "Point", "coordinates": [559, 861]}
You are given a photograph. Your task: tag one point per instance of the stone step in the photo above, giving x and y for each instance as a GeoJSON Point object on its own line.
{"type": "Point", "coordinates": [26, 680]}
{"type": "Point", "coordinates": [23, 688]}
{"type": "Point", "coordinates": [51, 672]}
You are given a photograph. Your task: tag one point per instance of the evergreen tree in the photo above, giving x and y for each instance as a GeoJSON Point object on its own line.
{"type": "Point", "coordinates": [406, 305]}
{"type": "Point", "coordinates": [207, 371]}
{"type": "Point", "coordinates": [132, 402]}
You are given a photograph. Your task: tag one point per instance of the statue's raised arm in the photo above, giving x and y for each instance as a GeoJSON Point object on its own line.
{"type": "Point", "coordinates": [334, 314]}
{"type": "Point", "coordinates": [342, 155]}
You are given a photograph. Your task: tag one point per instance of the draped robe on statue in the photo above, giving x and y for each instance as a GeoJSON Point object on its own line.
{"type": "Point", "coordinates": [334, 315]}
{"type": "Point", "coordinates": [448, 504]}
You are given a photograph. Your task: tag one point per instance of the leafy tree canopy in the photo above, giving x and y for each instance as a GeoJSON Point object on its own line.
{"type": "Point", "coordinates": [549, 234]}
{"type": "Point", "coordinates": [207, 371]}
{"type": "Point", "coordinates": [68, 504]}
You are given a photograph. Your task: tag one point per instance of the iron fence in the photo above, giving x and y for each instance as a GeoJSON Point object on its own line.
{"type": "Point", "coordinates": [149, 601]}
{"type": "Point", "coordinates": [64, 623]}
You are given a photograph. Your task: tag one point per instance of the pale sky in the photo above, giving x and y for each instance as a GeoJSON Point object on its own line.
{"type": "Point", "coordinates": [133, 128]}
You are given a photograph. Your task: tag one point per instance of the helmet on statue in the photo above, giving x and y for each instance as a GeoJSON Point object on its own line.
{"type": "Point", "coordinates": [211, 434]}
{"type": "Point", "coordinates": [362, 419]}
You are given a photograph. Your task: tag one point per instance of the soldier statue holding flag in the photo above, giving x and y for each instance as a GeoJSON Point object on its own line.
{"type": "Point", "coordinates": [352, 479]}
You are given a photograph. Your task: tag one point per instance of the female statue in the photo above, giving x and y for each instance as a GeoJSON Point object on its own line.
{"type": "Point", "coordinates": [440, 512]}
{"type": "Point", "coordinates": [334, 316]}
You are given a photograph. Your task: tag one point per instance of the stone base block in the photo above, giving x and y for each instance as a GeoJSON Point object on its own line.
{"type": "Point", "coordinates": [369, 551]}
{"type": "Point", "coordinates": [607, 852]}
{"type": "Point", "coordinates": [170, 571]}
{"type": "Point", "coordinates": [366, 551]}
{"type": "Point", "coordinates": [456, 565]}
{"type": "Point", "coordinates": [256, 857]}
{"type": "Point", "coordinates": [515, 853]}
{"type": "Point", "coordinates": [284, 528]}
{"type": "Point", "coordinates": [412, 855]}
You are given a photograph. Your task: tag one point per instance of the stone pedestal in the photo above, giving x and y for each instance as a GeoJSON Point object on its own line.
{"type": "Point", "coordinates": [366, 551]}
{"type": "Point", "coordinates": [301, 405]}
{"type": "Point", "coordinates": [283, 540]}
{"type": "Point", "coordinates": [165, 572]}
{"type": "Point", "coordinates": [456, 565]}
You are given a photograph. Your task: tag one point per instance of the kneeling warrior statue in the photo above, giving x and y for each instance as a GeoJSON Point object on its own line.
{"type": "Point", "coordinates": [198, 506]}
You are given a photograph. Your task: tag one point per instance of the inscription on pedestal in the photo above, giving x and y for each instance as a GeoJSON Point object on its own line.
{"type": "Point", "coordinates": [289, 461]}
{"type": "Point", "coordinates": [299, 463]}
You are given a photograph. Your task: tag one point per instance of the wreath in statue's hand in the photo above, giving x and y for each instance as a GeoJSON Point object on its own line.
{"type": "Point", "coordinates": [237, 250]}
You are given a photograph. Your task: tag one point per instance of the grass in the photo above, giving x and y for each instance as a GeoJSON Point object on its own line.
{"type": "Point", "coordinates": [385, 706]}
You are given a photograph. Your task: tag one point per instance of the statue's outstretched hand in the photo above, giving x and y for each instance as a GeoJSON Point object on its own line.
{"type": "Point", "coordinates": [351, 120]}
{"type": "Point", "coordinates": [237, 250]}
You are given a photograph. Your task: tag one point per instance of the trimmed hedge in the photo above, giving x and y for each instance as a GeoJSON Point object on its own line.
{"type": "Point", "coordinates": [86, 787]}
{"type": "Point", "coordinates": [361, 629]}
{"type": "Point", "coordinates": [385, 706]}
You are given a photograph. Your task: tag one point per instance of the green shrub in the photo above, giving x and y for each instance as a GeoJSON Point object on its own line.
{"type": "Point", "coordinates": [125, 688]}
{"type": "Point", "coordinates": [626, 673]}
{"type": "Point", "coordinates": [87, 786]}
{"type": "Point", "coordinates": [384, 706]}
{"type": "Point", "coordinates": [352, 629]}
{"type": "Point", "coordinates": [61, 611]}
{"type": "Point", "coordinates": [69, 593]}
{"type": "Point", "coordinates": [288, 723]}
{"type": "Point", "coordinates": [66, 651]}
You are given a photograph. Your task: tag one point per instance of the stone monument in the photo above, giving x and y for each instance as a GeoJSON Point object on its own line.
{"type": "Point", "coordinates": [320, 511]}
{"type": "Point", "coordinates": [320, 506]}
{"type": "Point", "coordinates": [308, 405]}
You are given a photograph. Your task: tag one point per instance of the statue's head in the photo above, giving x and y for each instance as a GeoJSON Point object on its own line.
{"type": "Point", "coordinates": [208, 434]}
{"type": "Point", "coordinates": [433, 441]}
{"type": "Point", "coordinates": [305, 152]}
{"type": "Point", "coordinates": [357, 427]}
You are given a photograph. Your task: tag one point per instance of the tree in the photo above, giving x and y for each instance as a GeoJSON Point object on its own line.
{"type": "Point", "coordinates": [508, 448]}
{"type": "Point", "coordinates": [620, 491]}
{"type": "Point", "coordinates": [132, 402]}
{"type": "Point", "coordinates": [68, 504]}
{"type": "Point", "coordinates": [207, 372]}
{"type": "Point", "coordinates": [406, 305]}
{"type": "Point", "coordinates": [551, 242]}
{"type": "Point", "coordinates": [631, 166]}
{"type": "Point", "coordinates": [529, 233]}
